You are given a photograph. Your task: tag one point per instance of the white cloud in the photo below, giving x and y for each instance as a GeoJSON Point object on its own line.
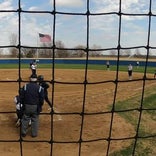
{"type": "Point", "coordinates": [109, 22]}
{"type": "Point", "coordinates": [8, 22]}
{"type": "Point", "coordinates": [69, 3]}
{"type": "Point", "coordinates": [6, 5]}
{"type": "Point", "coordinates": [127, 6]}
{"type": "Point", "coordinates": [103, 29]}
{"type": "Point", "coordinates": [33, 8]}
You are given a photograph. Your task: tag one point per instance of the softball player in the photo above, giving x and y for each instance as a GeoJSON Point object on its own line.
{"type": "Point", "coordinates": [19, 108]}
{"type": "Point", "coordinates": [45, 86]}
{"type": "Point", "coordinates": [130, 70]}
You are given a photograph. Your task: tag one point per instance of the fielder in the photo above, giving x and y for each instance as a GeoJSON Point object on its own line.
{"type": "Point", "coordinates": [130, 71]}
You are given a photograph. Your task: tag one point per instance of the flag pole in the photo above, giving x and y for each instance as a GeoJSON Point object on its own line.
{"type": "Point", "coordinates": [37, 46]}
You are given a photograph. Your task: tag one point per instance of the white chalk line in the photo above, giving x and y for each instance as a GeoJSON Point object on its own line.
{"type": "Point", "coordinates": [148, 85]}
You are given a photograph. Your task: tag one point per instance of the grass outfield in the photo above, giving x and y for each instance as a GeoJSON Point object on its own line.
{"type": "Point", "coordinates": [141, 69]}
{"type": "Point", "coordinates": [145, 146]}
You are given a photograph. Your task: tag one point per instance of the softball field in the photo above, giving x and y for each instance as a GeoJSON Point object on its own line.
{"type": "Point", "coordinates": [69, 100]}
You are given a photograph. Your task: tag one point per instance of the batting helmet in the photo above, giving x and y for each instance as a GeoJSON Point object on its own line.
{"type": "Point", "coordinates": [40, 78]}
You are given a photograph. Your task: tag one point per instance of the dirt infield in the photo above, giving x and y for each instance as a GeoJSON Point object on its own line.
{"type": "Point", "coordinates": [68, 98]}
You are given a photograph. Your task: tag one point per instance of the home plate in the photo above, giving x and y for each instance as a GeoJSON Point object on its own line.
{"type": "Point", "coordinates": [8, 78]}
{"type": "Point", "coordinates": [59, 118]}
{"type": "Point", "coordinates": [56, 117]}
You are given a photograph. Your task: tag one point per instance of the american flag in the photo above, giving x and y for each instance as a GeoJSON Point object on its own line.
{"type": "Point", "coordinates": [44, 37]}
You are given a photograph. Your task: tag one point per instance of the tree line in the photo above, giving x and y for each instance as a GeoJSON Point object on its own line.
{"type": "Point", "coordinates": [46, 50]}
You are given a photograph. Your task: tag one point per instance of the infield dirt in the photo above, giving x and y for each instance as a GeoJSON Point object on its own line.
{"type": "Point", "coordinates": [69, 98]}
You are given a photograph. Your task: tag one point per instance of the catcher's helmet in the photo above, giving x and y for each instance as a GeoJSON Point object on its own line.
{"type": "Point", "coordinates": [40, 78]}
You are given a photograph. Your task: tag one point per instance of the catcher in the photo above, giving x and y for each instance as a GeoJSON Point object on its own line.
{"type": "Point", "coordinates": [45, 86]}
{"type": "Point", "coordinates": [19, 108]}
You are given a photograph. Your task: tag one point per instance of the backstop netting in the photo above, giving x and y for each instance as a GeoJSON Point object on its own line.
{"type": "Point", "coordinates": [95, 112]}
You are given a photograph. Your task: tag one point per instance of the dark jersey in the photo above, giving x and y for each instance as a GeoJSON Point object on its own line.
{"type": "Point", "coordinates": [33, 94]}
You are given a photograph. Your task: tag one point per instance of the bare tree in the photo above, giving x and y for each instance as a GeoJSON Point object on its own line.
{"type": "Point", "coordinates": [61, 52]}
{"type": "Point", "coordinates": [137, 52]}
{"type": "Point", "coordinates": [113, 52]}
{"type": "Point", "coordinates": [13, 42]}
{"type": "Point", "coordinates": [125, 52]}
{"type": "Point", "coordinates": [96, 51]}
{"type": "Point", "coordinates": [47, 52]}
{"type": "Point", "coordinates": [28, 52]}
{"type": "Point", "coordinates": [79, 52]}
{"type": "Point", "coordinates": [1, 52]}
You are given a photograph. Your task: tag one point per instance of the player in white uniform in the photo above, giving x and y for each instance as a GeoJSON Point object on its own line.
{"type": "Point", "coordinates": [130, 70]}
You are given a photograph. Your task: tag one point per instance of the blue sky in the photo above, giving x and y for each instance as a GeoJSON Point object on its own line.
{"type": "Point", "coordinates": [71, 30]}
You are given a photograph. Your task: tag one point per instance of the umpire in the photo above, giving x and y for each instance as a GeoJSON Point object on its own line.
{"type": "Point", "coordinates": [32, 98]}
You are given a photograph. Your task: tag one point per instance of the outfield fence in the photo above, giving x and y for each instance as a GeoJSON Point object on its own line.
{"type": "Point", "coordinates": [80, 61]}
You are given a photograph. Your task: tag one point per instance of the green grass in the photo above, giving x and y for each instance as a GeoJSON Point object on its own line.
{"type": "Point", "coordinates": [57, 66]}
{"type": "Point", "coordinates": [80, 66]}
{"type": "Point", "coordinates": [145, 147]}
{"type": "Point", "coordinates": [142, 151]}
